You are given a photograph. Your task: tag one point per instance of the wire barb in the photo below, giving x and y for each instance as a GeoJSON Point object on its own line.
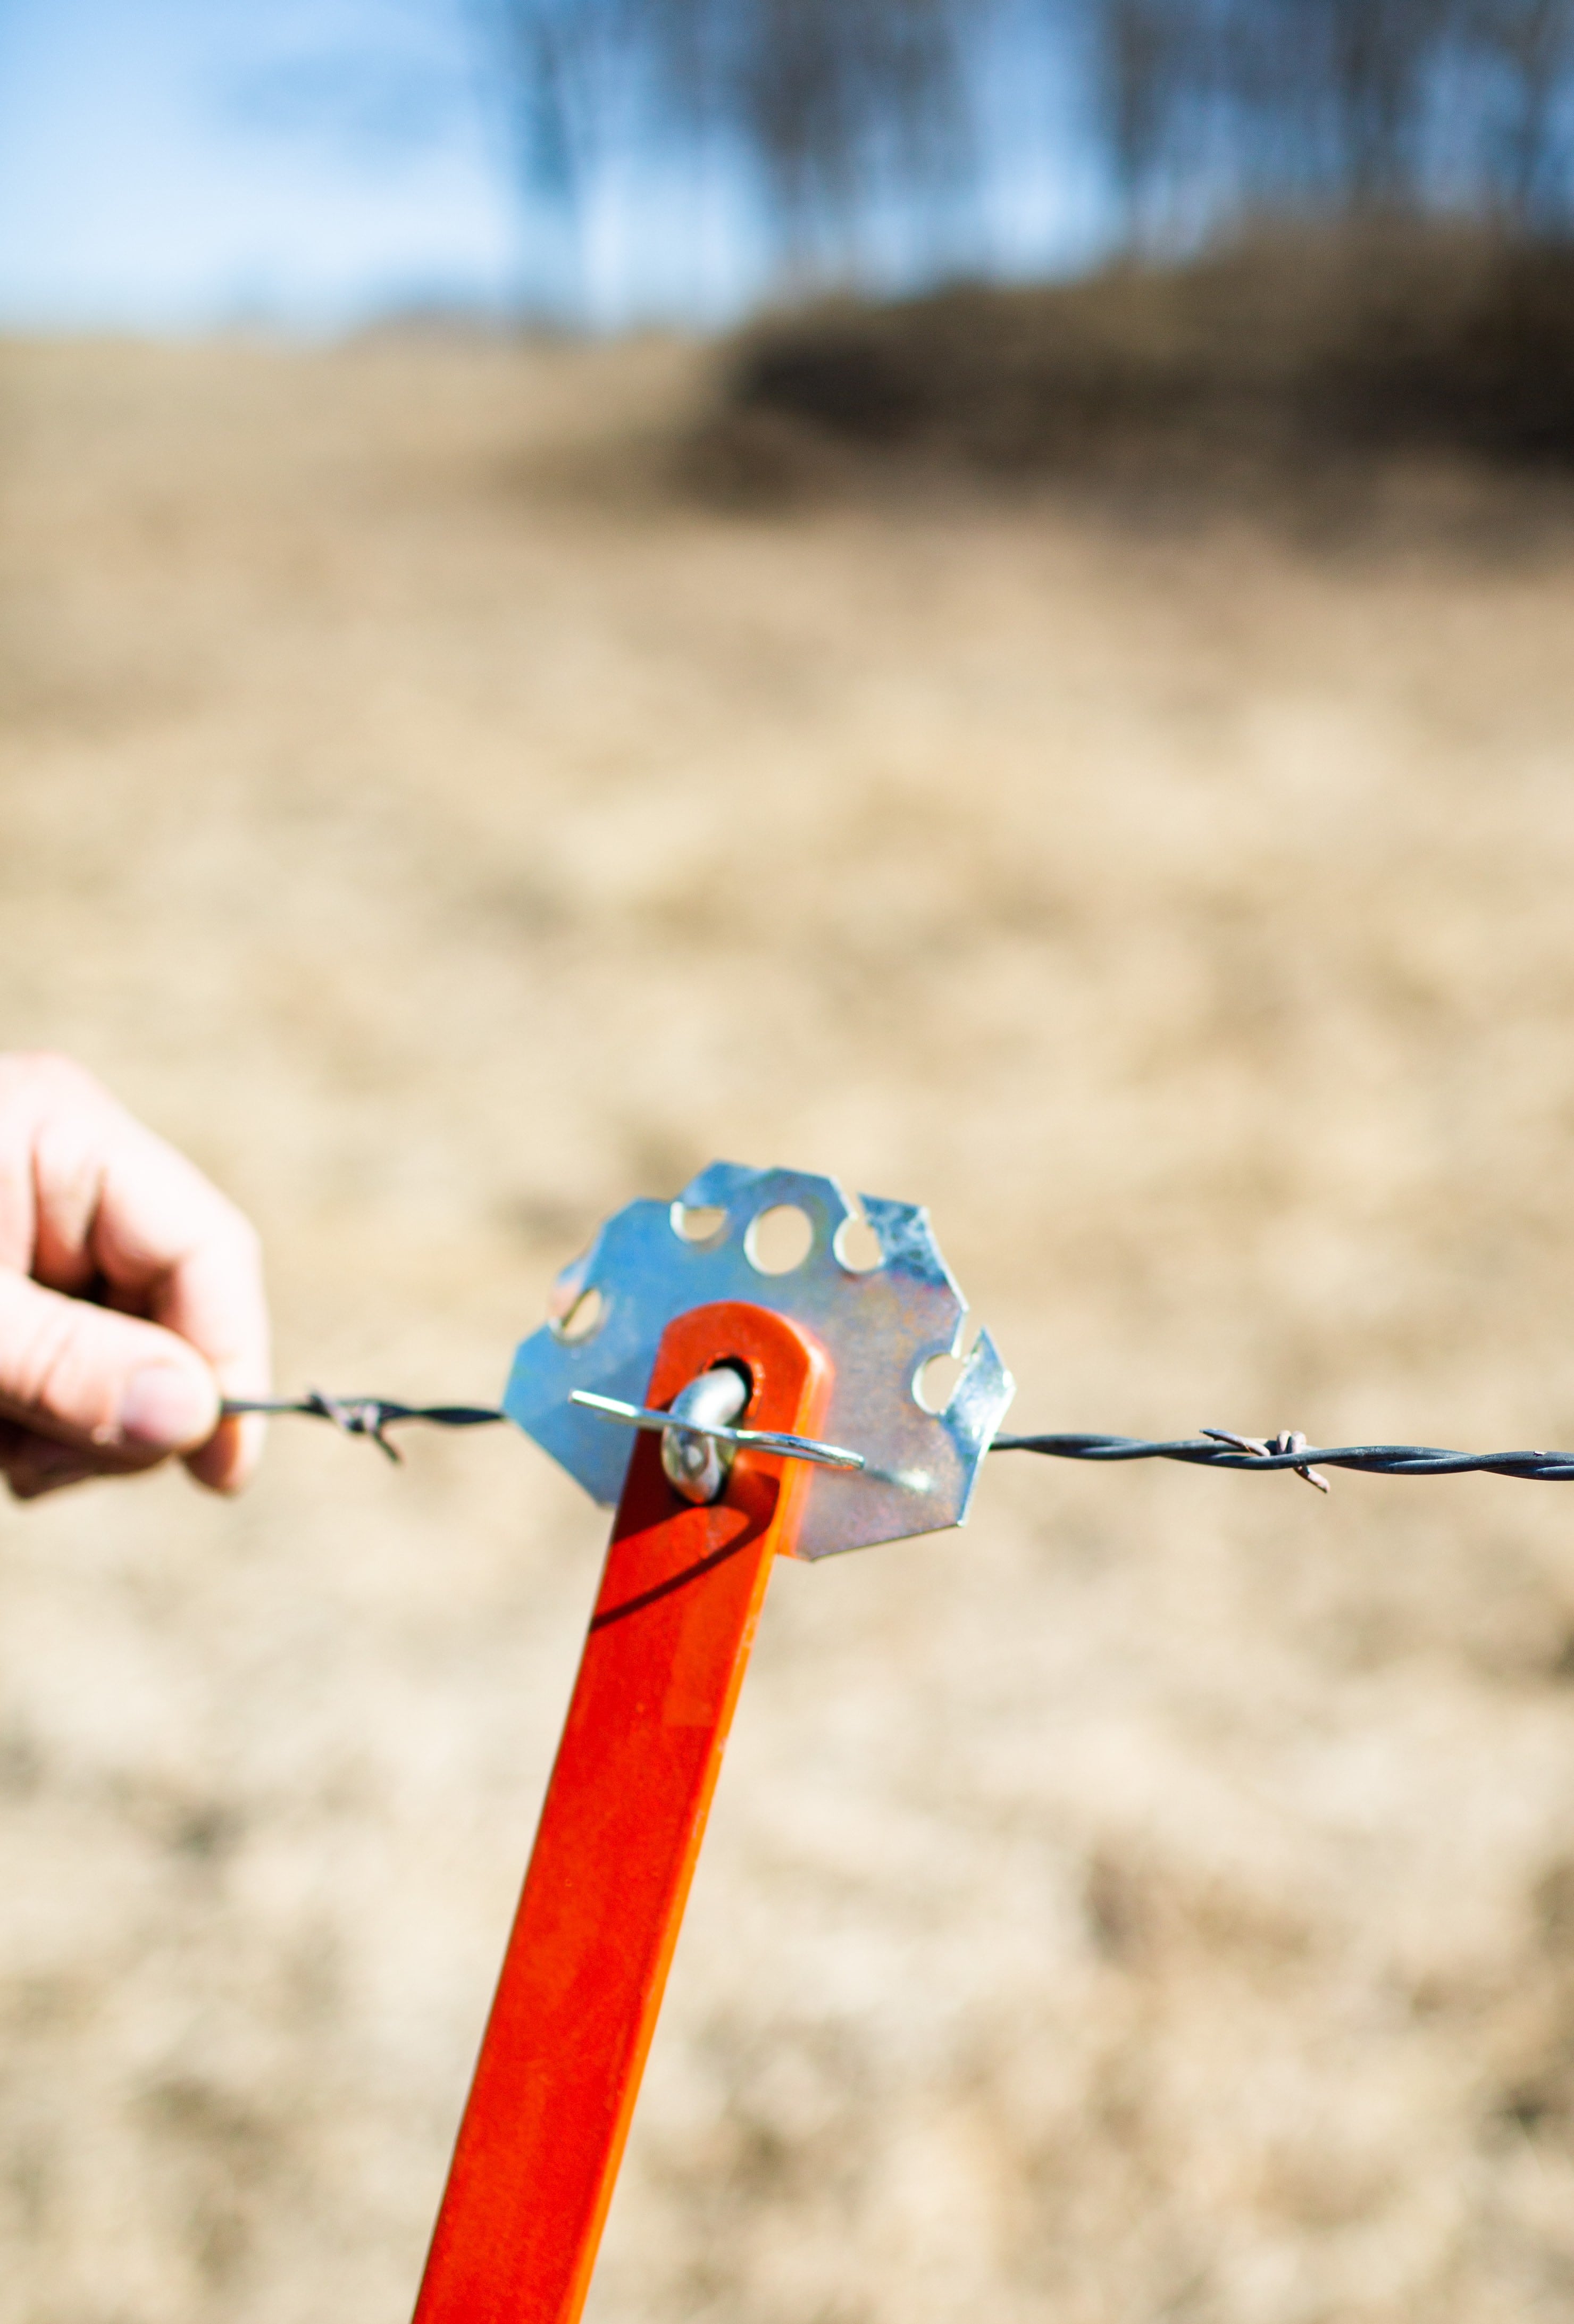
{"type": "Point", "coordinates": [1288, 1440]}
{"type": "Point", "coordinates": [365, 1415]}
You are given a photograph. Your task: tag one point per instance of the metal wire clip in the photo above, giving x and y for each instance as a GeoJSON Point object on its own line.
{"type": "Point", "coordinates": [678, 1423]}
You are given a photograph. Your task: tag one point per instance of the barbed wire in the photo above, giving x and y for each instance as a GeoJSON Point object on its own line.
{"type": "Point", "coordinates": [364, 1416]}
{"type": "Point", "coordinates": [1212, 1448]}
{"type": "Point", "coordinates": [1221, 1448]}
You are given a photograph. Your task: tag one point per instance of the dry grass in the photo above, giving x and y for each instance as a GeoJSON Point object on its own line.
{"type": "Point", "coordinates": [1157, 1902]}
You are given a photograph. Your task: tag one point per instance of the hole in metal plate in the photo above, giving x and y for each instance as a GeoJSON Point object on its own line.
{"type": "Point", "coordinates": [699, 1222]}
{"type": "Point", "coordinates": [779, 1239]}
{"type": "Point", "coordinates": [935, 1381]}
{"type": "Point", "coordinates": [857, 1247]}
{"type": "Point", "coordinates": [583, 1319]}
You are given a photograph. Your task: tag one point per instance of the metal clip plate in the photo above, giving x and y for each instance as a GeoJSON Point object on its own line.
{"type": "Point", "coordinates": [881, 1326]}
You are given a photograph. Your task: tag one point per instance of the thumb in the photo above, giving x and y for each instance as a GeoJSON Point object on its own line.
{"type": "Point", "coordinates": [89, 1376]}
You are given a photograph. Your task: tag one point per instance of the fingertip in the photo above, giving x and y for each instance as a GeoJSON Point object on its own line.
{"type": "Point", "coordinates": [169, 1404]}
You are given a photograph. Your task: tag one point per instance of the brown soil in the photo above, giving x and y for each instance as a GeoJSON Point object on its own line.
{"type": "Point", "coordinates": [1157, 1900]}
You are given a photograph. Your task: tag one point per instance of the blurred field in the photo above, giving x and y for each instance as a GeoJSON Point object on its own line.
{"type": "Point", "coordinates": [1155, 1902]}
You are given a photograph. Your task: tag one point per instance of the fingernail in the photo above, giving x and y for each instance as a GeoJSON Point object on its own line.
{"type": "Point", "coordinates": [165, 1407]}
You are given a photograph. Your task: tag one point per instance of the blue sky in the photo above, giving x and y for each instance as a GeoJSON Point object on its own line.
{"type": "Point", "coordinates": [185, 165]}
{"type": "Point", "coordinates": [170, 164]}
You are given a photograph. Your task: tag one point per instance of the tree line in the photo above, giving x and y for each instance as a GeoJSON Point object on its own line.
{"type": "Point", "coordinates": [1340, 108]}
{"type": "Point", "coordinates": [1201, 112]}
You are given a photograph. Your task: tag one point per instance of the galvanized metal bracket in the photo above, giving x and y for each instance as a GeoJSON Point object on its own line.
{"type": "Point", "coordinates": [880, 1324]}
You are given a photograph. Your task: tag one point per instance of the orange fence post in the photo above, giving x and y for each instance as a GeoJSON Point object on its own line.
{"type": "Point", "coordinates": [581, 1980]}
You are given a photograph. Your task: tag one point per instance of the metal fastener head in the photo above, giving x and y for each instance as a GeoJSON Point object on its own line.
{"type": "Point", "coordinates": [881, 1326]}
{"type": "Point", "coordinates": [697, 1466]}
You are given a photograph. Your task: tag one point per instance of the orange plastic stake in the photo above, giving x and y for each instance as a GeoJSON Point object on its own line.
{"type": "Point", "coordinates": [581, 1980]}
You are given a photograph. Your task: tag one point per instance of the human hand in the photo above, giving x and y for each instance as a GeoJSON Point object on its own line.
{"type": "Point", "coordinates": [130, 1294]}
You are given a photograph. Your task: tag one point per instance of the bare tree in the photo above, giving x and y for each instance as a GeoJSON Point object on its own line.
{"type": "Point", "coordinates": [1155, 60]}
{"type": "Point", "coordinates": [831, 104]}
{"type": "Point", "coordinates": [1380, 56]}
{"type": "Point", "coordinates": [1528, 49]}
{"type": "Point", "coordinates": [837, 98]}
{"type": "Point", "coordinates": [556, 66]}
{"type": "Point", "coordinates": [1340, 108]}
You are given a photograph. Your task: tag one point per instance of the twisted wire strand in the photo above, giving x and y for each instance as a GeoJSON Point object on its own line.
{"type": "Point", "coordinates": [365, 1415]}
{"type": "Point", "coordinates": [1213, 1448]}
{"type": "Point", "coordinates": [1220, 1448]}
